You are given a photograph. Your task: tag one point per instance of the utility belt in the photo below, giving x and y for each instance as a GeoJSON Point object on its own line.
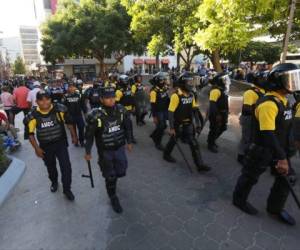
{"type": "Point", "coordinates": [257, 156]}
{"type": "Point", "coordinates": [49, 144]}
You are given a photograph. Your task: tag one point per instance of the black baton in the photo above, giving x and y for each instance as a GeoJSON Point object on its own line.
{"type": "Point", "coordinates": [292, 191]}
{"type": "Point", "coordinates": [90, 176]}
{"type": "Point", "coordinates": [183, 156]}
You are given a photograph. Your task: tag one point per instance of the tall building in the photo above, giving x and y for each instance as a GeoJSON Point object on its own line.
{"type": "Point", "coordinates": [29, 41]}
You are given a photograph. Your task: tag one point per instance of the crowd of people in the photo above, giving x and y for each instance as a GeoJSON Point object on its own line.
{"type": "Point", "coordinates": [103, 113]}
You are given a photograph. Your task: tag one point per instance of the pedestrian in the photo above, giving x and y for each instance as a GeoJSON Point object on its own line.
{"type": "Point", "coordinates": [45, 128]}
{"type": "Point", "coordinates": [31, 98]}
{"type": "Point", "coordinates": [218, 109]}
{"type": "Point", "coordinates": [73, 101]}
{"type": "Point", "coordinates": [20, 95]}
{"type": "Point", "coordinates": [272, 142]}
{"type": "Point", "coordinates": [159, 100]}
{"type": "Point", "coordinates": [184, 120]}
{"type": "Point", "coordinates": [111, 127]}
{"type": "Point", "coordinates": [8, 102]}
{"type": "Point", "coordinates": [140, 99]}
{"type": "Point", "coordinates": [247, 119]}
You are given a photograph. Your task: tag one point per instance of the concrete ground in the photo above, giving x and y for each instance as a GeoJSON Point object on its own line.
{"type": "Point", "coordinates": [165, 207]}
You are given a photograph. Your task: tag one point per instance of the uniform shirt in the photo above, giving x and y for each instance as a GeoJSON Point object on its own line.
{"type": "Point", "coordinates": [153, 95]}
{"type": "Point", "coordinates": [267, 112]}
{"type": "Point", "coordinates": [214, 95]}
{"type": "Point", "coordinates": [250, 97]}
{"type": "Point", "coordinates": [32, 123]}
{"type": "Point", "coordinates": [175, 101]}
{"type": "Point", "coordinates": [297, 111]}
{"type": "Point", "coordinates": [119, 95]}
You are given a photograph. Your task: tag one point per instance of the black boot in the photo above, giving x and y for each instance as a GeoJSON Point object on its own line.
{"type": "Point", "coordinates": [198, 159]}
{"type": "Point", "coordinates": [283, 216]}
{"type": "Point", "coordinates": [69, 195]}
{"type": "Point", "coordinates": [54, 187]}
{"type": "Point", "coordinates": [169, 158]}
{"type": "Point", "coordinates": [240, 159]}
{"type": "Point", "coordinates": [245, 207]}
{"type": "Point", "coordinates": [159, 147]}
{"type": "Point", "coordinates": [212, 148]}
{"type": "Point", "coordinates": [115, 203]}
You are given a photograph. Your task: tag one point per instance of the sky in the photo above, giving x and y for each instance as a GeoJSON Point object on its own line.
{"type": "Point", "coordinates": [14, 13]}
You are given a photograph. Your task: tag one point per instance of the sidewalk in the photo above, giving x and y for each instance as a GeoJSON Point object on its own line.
{"type": "Point", "coordinates": [165, 207]}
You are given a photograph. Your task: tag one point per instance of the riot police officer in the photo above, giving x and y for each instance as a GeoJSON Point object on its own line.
{"type": "Point", "coordinates": [92, 96]}
{"type": "Point", "coordinates": [57, 91]}
{"type": "Point", "coordinates": [218, 109]}
{"type": "Point", "coordinates": [111, 126]}
{"type": "Point", "coordinates": [272, 142]}
{"type": "Point", "coordinates": [184, 120]}
{"type": "Point", "coordinates": [247, 119]}
{"type": "Point", "coordinates": [125, 96]}
{"type": "Point", "coordinates": [47, 122]}
{"type": "Point", "coordinates": [159, 99]}
{"type": "Point", "coordinates": [75, 105]}
{"type": "Point", "coordinates": [138, 90]}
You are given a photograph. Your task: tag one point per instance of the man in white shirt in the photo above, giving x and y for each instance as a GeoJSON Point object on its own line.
{"type": "Point", "coordinates": [31, 98]}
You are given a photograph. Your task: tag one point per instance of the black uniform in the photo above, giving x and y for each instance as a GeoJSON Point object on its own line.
{"type": "Point", "coordinates": [160, 100]}
{"type": "Point", "coordinates": [52, 138]}
{"type": "Point", "coordinates": [218, 116]}
{"type": "Point", "coordinates": [185, 120]}
{"type": "Point", "coordinates": [112, 129]}
{"type": "Point", "coordinates": [93, 96]}
{"type": "Point", "coordinates": [75, 107]}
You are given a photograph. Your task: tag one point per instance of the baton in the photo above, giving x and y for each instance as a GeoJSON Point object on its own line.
{"type": "Point", "coordinates": [90, 176]}
{"type": "Point", "coordinates": [183, 156]}
{"type": "Point", "coordinates": [292, 191]}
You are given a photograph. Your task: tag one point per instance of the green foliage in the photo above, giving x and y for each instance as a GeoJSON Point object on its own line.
{"type": "Point", "coordinates": [19, 66]}
{"type": "Point", "coordinates": [256, 52]}
{"type": "Point", "coordinates": [91, 28]}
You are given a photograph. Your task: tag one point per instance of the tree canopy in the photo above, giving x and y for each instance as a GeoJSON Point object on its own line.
{"type": "Point", "coordinates": [19, 66]}
{"type": "Point", "coordinates": [94, 28]}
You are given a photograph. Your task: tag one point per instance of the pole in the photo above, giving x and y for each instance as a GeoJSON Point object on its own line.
{"type": "Point", "coordinates": [183, 155]}
{"type": "Point", "coordinates": [90, 176]}
{"type": "Point", "coordinates": [289, 29]}
{"type": "Point", "coordinates": [292, 192]}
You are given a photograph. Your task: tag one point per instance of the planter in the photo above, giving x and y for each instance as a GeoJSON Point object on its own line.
{"type": "Point", "coordinates": [10, 178]}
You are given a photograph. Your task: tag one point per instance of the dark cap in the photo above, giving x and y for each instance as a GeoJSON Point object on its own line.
{"type": "Point", "coordinates": [108, 92]}
{"type": "Point", "coordinates": [41, 94]}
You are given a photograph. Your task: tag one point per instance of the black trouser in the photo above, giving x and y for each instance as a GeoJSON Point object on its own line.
{"type": "Point", "coordinates": [111, 186]}
{"type": "Point", "coordinates": [249, 177]}
{"type": "Point", "coordinates": [79, 123]}
{"type": "Point", "coordinates": [161, 125]}
{"type": "Point", "coordinates": [58, 150]}
{"type": "Point", "coordinates": [216, 128]}
{"type": "Point", "coordinates": [140, 117]}
{"type": "Point", "coordinates": [186, 132]}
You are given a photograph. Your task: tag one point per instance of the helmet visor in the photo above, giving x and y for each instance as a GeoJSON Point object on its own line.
{"type": "Point", "coordinates": [227, 82]}
{"type": "Point", "coordinates": [291, 80]}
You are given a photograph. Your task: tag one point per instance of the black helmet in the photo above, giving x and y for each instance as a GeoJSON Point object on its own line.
{"type": "Point", "coordinates": [259, 79]}
{"type": "Point", "coordinates": [136, 77]}
{"type": "Point", "coordinates": [186, 81]}
{"type": "Point", "coordinates": [284, 76]}
{"type": "Point", "coordinates": [221, 80]}
{"type": "Point", "coordinates": [42, 94]}
{"type": "Point", "coordinates": [160, 79]}
{"type": "Point", "coordinates": [108, 91]}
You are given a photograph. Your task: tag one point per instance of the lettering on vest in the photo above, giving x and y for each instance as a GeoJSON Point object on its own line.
{"type": "Point", "coordinates": [48, 124]}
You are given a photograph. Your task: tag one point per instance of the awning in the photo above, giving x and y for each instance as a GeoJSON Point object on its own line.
{"type": "Point", "coordinates": [138, 61]}
{"type": "Point", "coordinates": [165, 61]}
{"type": "Point", "coordinates": [150, 61]}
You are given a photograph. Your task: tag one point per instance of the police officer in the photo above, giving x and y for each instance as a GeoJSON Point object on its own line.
{"type": "Point", "coordinates": [159, 99]}
{"type": "Point", "coordinates": [111, 126]}
{"type": "Point", "coordinates": [125, 96]}
{"type": "Point", "coordinates": [184, 120]}
{"type": "Point", "coordinates": [92, 96]}
{"type": "Point", "coordinates": [79, 86]}
{"type": "Point", "coordinates": [272, 142]}
{"type": "Point", "coordinates": [73, 101]}
{"type": "Point", "coordinates": [138, 90]}
{"type": "Point", "coordinates": [247, 119]}
{"type": "Point", "coordinates": [218, 109]}
{"type": "Point", "coordinates": [57, 91]}
{"type": "Point", "coordinates": [47, 123]}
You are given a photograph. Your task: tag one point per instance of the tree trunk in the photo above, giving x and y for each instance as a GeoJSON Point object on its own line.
{"type": "Point", "coordinates": [215, 58]}
{"type": "Point", "coordinates": [178, 61]}
{"type": "Point", "coordinates": [157, 62]}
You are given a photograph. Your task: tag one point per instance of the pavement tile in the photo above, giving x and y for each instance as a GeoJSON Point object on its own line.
{"type": "Point", "coordinates": [267, 241]}
{"type": "Point", "coordinates": [216, 232]}
{"type": "Point", "coordinates": [172, 224]}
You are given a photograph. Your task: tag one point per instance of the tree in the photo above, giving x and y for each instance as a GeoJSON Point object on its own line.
{"type": "Point", "coordinates": [164, 24]}
{"type": "Point", "coordinates": [93, 28]}
{"type": "Point", "coordinates": [19, 66]}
